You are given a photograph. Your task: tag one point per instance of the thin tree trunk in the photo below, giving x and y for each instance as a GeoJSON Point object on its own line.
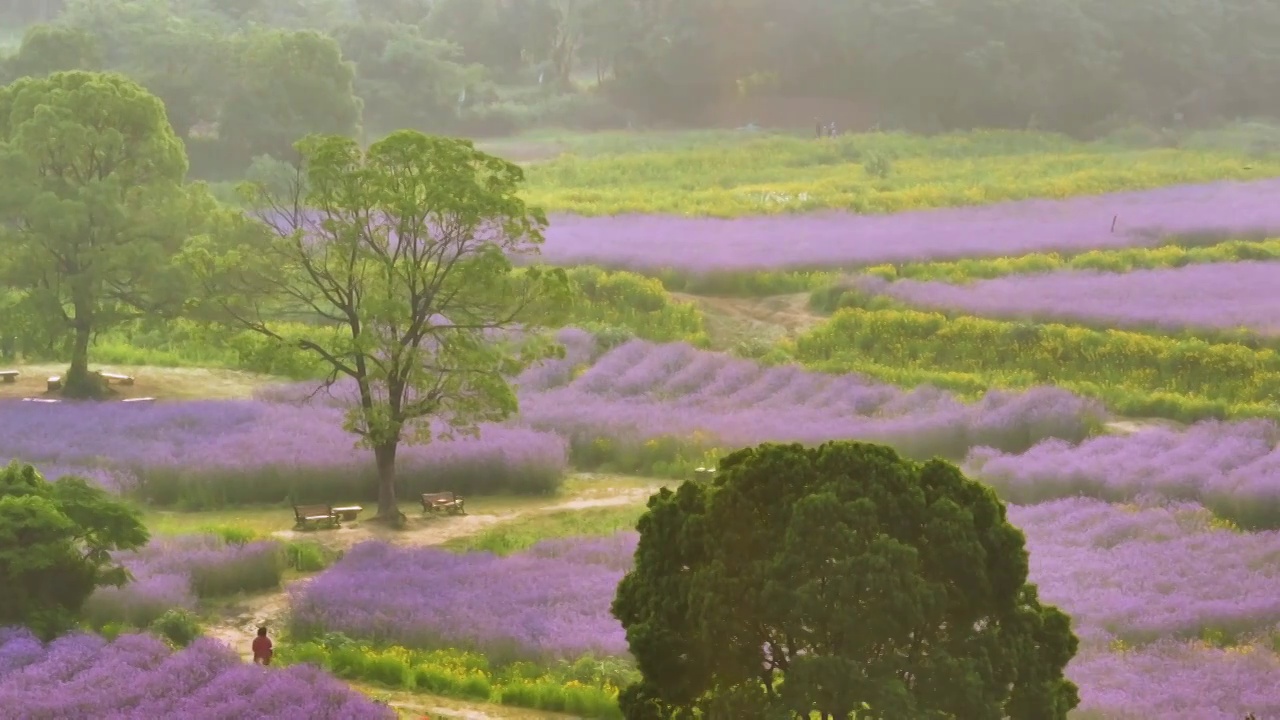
{"type": "Point", "coordinates": [388, 508]}
{"type": "Point", "coordinates": [79, 382]}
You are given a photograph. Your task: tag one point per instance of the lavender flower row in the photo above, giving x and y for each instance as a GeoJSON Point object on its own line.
{"type": "Point", "coordinates": [172, 572]}
{"type": "Point", "coordinates": [137, 677]}
{"type": "Point", "coordinates": [546, 603]}
{"type": "Point", "coordinates": [705, 245]}
{"type": "Point", "coordinates": [641, 390]}
{"type": "Point", "coordinates": [1215, 296]}
{"type": "Point", "coordinates": [1231, 468]}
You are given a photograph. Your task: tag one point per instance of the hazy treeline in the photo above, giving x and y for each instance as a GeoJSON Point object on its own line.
{"type": "Point", "coordinates": [267, 70]}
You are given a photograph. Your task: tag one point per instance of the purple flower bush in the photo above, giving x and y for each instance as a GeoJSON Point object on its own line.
{"type": "Point", "coordinates": [1216, 296]}
{"type": "Point", "coordinates": [172, 572]}
{"type": "Point", "coordinates": [1143, 573]}
{"type": "Point", "coordinates": [1177, 681]}
{"type": "Point", "coordinates": [137, 677]}
{"type": "Point", "coordinates": [548, 603]}
{"type": "Point", "coordinates": [706, 245]}
{"type": "Point", "coordinates": [1231, 468]}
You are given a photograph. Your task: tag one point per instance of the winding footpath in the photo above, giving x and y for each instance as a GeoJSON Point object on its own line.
{"type": "Point", "coordinates": [239, 623]}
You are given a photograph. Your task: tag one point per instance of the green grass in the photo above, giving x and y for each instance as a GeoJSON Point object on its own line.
{"type": "Point", "coordinates": [522, 533]}
{"type": "Point", "coordinates": [871, 173]}
{"type": "Point", "coordinates": [263, 520]}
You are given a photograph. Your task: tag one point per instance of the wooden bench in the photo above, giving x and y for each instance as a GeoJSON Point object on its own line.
{"type": "Point", "coordinates": [318, 514]}
{"type": "Point", "coordinates": [445, 502]}
{"type": "Point", "coordinates": [122, 379]}
{"type": "Point", "coordinates": [55, 382]}
{"type": "Point", "coordinates": [348, 513]}
{"type": "Point", "coordinates": [9, 375]}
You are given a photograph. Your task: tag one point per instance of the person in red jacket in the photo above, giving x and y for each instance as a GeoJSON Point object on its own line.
{"type": "Point", "coordinates": [262, 647]}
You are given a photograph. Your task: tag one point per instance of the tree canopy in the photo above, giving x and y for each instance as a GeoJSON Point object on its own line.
{"type": "Point", "coordinates": [1084, 67]}
{"type": "Point", "coordinates": [401, 254]}
{"type": "Point", "coordinates": [835, 580]}
{"type": "Point", "coordinates": [55, 545]}
{"type": "Point", "coordinates": [93, 207]}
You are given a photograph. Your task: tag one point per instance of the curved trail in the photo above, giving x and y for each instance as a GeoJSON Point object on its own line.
{"type": "Point", "coordinates": [734, 320]}
{"type": "Point", "coordinates": [239, 623]}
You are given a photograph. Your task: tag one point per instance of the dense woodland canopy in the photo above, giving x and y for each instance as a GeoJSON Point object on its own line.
{"type": "Point", "coordinates": [250, 76]}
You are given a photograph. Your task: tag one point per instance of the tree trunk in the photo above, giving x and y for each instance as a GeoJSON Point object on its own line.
{"type": "Point", "coordinates": [388, 508]}
{"type": "Point", "coordinates": [79, 382]}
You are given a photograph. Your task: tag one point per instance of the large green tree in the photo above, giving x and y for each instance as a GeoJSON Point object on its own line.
{"type": "Point", "coordinates": [55, 545]}
{"type": "Point", "coordinates": [50, 48]}
{"type": "Point", "coordinates": [835, 580]}
{"type": "Point", "coordinates": [401, 254]}
{"type": "Point", "coordinates": [93, 207]}
{"type": "Point", "coordinates": [288, 84]}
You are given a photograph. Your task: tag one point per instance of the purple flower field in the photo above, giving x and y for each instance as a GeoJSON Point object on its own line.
{"type": "Point", "coordinates": [1155, 577]}
{"type": "Point", "coordinates": [137, 677]}
{"type": "Point", "coordinates": [1177, 681]}
{"type": "Point", "coordinates": [605, 406]}
{"type": "Point", "coordinates": [1231, 468]}
{"type": "Point", "coordinates": [550, 602]}
{"type": "Point", "coordinates": [705, 245]}
{"type": "Point", "coordinates": [171, 572]}
{"type": "Point", "coordinates": [1217, 295]}
{"type": "Point", "coordinates": [250, 451]}
{"type": "Point", "coordinates": [1139, 574]}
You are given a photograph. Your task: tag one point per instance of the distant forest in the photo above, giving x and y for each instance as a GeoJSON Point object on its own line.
{"type": "Point", "coordinates": [261, 72]}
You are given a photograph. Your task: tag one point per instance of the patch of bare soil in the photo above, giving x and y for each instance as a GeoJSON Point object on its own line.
{"type": "Point", "coordinates": [149, 382]}
{"type": "Point", "coordinates": [731, 321]}
{"type": "Point", "coordinates": [1128, 426]}
{"type": "Point", "coordinates": [417, 705]}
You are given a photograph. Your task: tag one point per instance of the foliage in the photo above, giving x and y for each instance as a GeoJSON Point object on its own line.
{"type": "Point", "coordinates": [56, 540]}
{"type": "Point", "coordinates": [405, 257]}
{"type": "Point", "coordinates": [47, 49]}
{"type": "Point", "coordinates": [94, 208]}
{"type": "Point", "coordinates": [308, 557]}
{"type": "Point", "coordinates": [1182, 378]}
{"type": "Point", "coordinates": [138, 676]}
{"type": "Point", "coordinates": [635, 303]}
{"type": "Point", "coordinates": [290, 85]}
{"type": "Point", "coordinates": [788, 175]}
{"type": "Point", "coordinates": [834, 580]}
{"type": "Point", "coordinates": [178, 627]}
{"type": "Point", "coordinates": [586, 687]}
{"type": "Point", "coordinates": [1215, 297]}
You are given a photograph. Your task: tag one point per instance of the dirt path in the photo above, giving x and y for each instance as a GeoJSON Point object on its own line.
{"type": "Point", "coordinates": [731, 321]}
{"type": "Point", "coordinates": [240, 621]}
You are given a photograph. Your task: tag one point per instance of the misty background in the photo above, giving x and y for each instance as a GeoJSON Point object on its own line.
{"type": "Point", "coordinates": [244, 78]}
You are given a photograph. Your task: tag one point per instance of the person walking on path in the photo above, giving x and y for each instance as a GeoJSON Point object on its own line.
{"type": "Point", "coordinates": [262, 647]}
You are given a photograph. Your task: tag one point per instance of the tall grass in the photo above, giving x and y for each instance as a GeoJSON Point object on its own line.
{"type": "Point", "coordinates": [1178, 377]}
{"type": "Point", "coordinates": [870, 173]}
